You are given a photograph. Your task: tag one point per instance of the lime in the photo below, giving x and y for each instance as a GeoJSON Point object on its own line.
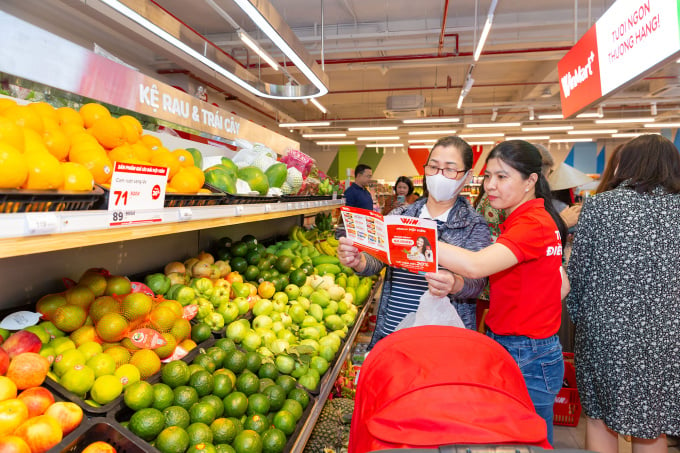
{"type": "Point", "coordinates": [237, 423]}
{"type": "Point", "coordinates": [276, 396]}
{"type": "Point", "coordinates": [227, 372]}
{"type": "Point", "coordinates": [253, 361]}
{"type": "Point", "coordinates": [226, 344]}
{"type": "Point", "coordinates": [238, 248]}
{"type": "Point", "coordinates": [268, 370]}
{"type": "Point", "coordinates": [175, 373]}
{"type": "Point", "coordinates": [90, 349]}
{"type": "Point", "coordinates": [257, 422]}
{"type": "Point", "coordinates": [239, 264]}
{"type": "Point", "coordinates": [106, 389]}
{"type": "Point", "coordinates": [218, 354]}
{"type": "Point", "coordinates": [203, 447]}
{"type": "Point", "coordinates": [283, 264]}
{"type": "Point", "coordinates": [253, 258]}
{"type": "Point", "coordinates": [202, 413]}
{"type": "Point", "coordinates": [163, 396]}
{"type": "Point", "coordinates": [66, 360]}
{"type": "Point", "coordinates": [128, 374]}
{"type": "Point", "coordinates": [224, 431]}
{"type": "Point", "coordinates": [200, 332]}
{"type": "Point", "coordinates": [102, 364]}
{"type": "Point", "coordinates": [194, 367]}
{"type": "Point", "coordinates": [172, 439]}
{"type": "Point", "coordinates": [224, 448]}
{"type": "Point", "coordinates": [298, 277]}
{"type": "Point", "coordinates": [235, 404]}
{"type": "Point", "coordinates": [285, 421]}
{"type": "Point", "coordinates": [185, 396]}
{"type": "Point", "coordinates": [248, 383]}
{"type": "Point", "coordinates": [236, 361]}
{"type": "Point", "coordinates": [273, 441]}
{"type": "Point", "coordinates": [147, 423]}
{"type": "Point", "coordinates": [78, 380]}
{"type": "Point", "coordinates": [176, 416]}
{"type": "Point", "coordinates": [264, 383]}
{"type": "Point", "coordinates": [252, 272]}
{"type": "Point", "coordinates": [247, 441]}
{"type": "Point", "coordinates": [199, 433]}
{"type": "Point", "coordinates": [138, 395]}
{"type": "Point", "coordinates": [215, 402]}
{"type": "Point", "coordinates": [286, 382]}
{"type": "Point", "coordinates": [299, 395]}
{"type": "Point", "coordinates": [258, 403]}
{"type": "Point", "coordinates": [250, 241]}
{"type": "Point", "coordinates": [203, 382]}
{"type": "Point", "coordinates": [205, 361]}
{"type": "Point", "coordinates": [222, 385]}
{"type": "Point", "coordinates": [293, 407]}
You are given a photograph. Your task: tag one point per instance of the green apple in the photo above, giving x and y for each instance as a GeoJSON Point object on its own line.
{"type": "Point", "coordinates": [263, 307]}
{"type": "Point", "coordinates": [297, 313]}
{"type": "Point", "coordinates": [262, 322]}
{"type": "Point", "coordinates": [286, 320]}
{"type": "Point", "coordinates": [242, 304]}
{"type": "Point", "coordinates": [306, 290]}
{"type": "Point", "coordinates": [229, 311]}
{"type": "Point", "coordinates": [305, 302]}
{"type": "Point", "coordinates": [292, 291]}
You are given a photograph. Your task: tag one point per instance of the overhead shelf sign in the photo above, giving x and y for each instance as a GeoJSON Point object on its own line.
{"type": "Point", "coordinates": [632, 38]}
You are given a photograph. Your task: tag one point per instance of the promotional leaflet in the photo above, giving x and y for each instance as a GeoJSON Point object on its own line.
{"type": "Point", "coordinates": [400, 241]}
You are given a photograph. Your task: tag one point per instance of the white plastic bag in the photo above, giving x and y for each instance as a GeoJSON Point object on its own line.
{"type": "Point", "coordinates": [432, 311]}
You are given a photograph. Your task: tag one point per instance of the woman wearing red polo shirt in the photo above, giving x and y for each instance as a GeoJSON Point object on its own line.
{"type": "Point", "coordinates": [524, 266]}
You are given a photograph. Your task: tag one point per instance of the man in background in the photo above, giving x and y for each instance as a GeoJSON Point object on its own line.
{"type": "Point", "coordinates": [357, 194]}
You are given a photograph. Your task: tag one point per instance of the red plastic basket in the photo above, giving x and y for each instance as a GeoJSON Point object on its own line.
{"type": "Point", "coordinates": [567, 408]}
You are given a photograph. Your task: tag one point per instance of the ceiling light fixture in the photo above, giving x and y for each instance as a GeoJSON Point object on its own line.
{"type": "Point", "coordinates": [531, 113]}
{"type": "Point", "coordinates": [384, 145]}
{"type": "Point", "coordinates": [319, 106]}
{"type": "Point", "coordinates": [481, 143]}
{"type": "Point", "coordinates": [331, 135]}
{"type": "Point", "coordinates": [625, 120]}
{"type": "Point", "coordinates": [546, 128]}
{"type": "Point", "coordinates": [339, 142]}
{"type": "Point", "coordinates": [467, 85]}
{"type": "Point", "coordinates": [378, 128]}
{"type": "Point", "coordinates": [593, 131]}
{"type": "Point", "coordinates": [432, 120]}
{"type": "Point", "coordinates": [494, 114]}
{"type": "Point", "coordinates": [466, 136]}
{"type": "Point", "coordinates": [652, 109]}
{"type": "Point", "coordinates": [625, 135]}
{"type": "Point", "coordinates": [419, 146]}
{"type": "Point", "coordinates": [551, 116]}
{"type": "Point", "coordinates": [308, 124]}
{"type": "Point", "coordinates": [546, 93]}
{"type": "Point", "coordinates": [255, 47]}
{"type": "Point", "coordinates": [473, 125]}
{"type": "Point", "coordinates": [426, 140]}
{"type": "Point", "coordinates": [368, 139]}
{"type": "Point", "coordinates": [530, 137]}
{"type": "Point", "coordinates": [570, 140]}
{"type": "Point", "coordinates": [663, 125]}
{"type": "Point", "coordinates": [432, 132]}
{"type": "Point", "coordinates": [485, 30]}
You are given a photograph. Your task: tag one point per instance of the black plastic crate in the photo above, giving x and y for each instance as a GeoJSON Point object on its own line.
{"type": "Point", "coordinates": [180, 200]}
{"type": "Point", "coordinates": [248, 199]}
{"type": "Point", "coordinates": [13, 201]}
{"type": "Point", "coordinates": [285, 198]}
{"type": "Point", "coordinates": [101, 429]}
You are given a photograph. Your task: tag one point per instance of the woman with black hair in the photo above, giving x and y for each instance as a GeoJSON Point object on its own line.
{"type": "Point", "coordinates": [403, 195]}
{"type": "Point", "coordinates": [625, 300]}
{"type": "Point", "coordinates": [524, 266]}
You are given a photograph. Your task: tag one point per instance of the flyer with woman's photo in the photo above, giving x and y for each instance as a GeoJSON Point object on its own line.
{"type": "Point", "coordinates": [400, 241]}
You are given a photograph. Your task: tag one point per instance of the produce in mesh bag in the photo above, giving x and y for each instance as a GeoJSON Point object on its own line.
{"type": "Point", "coordinates": [294, 179]}
{"type": "Point", "coordinates": [331, 432]}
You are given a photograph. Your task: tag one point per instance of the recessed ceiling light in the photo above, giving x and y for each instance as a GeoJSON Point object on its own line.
{"type": "Point", "coordinates": [663, 125]}
{"type": "Point", "coordinates": [530, 137]}
{"type": "Point", "coordinates": [376, 128]}
{"type": "Point", "coordinates": [432, 132]}
{"type": "Point", "coordinates": [432, 120]}
{"type": "Point", "coordinates": [384, 145]}
{"type": "Point", "coordinates": [340, 142]}
{"type": "Point", "coordinates": [593, 131]}
{"type": "Point", "coordinates": [493, 125]}
{"type": "Point", "coordinates": [331, 135]}
{"type": "Point", "coordinates": [546, 128]}
{"type": "Point", "coordinates": [366, 139]}
{"type": "Point", "coordinates": [308, 124]}
{"type": "Point", "coordinates": [499, 134]}
{"type": "Point", "coordinates": [570, 140]}
{"type": "Point", "coordinates": [625, 120]}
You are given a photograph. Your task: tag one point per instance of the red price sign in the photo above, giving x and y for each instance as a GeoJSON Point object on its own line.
{"type": "Point", "coordinates": [135, 191]}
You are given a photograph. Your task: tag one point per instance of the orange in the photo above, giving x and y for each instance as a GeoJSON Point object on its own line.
{"type": "Point", "coordinates": [57, 142]}
{"type": "Point", "coordinates": [163, 159]}
{"type": "Point", "coordinates": [11, 133]}
{"type": "Point", "coordinates": [198, 174]}
{"type": "Point", "coordinates": [67, 115]}
{"type": "Point", "coordinates": [108, 131]}
{"type": "Point", "coordinates": [33, 141]}
{"type": "Point", "coordinates": [25, 116]}
{"type": "Point", "coordinates": [8, 389]}
{"type": "Point", "coordinates": [45, 110]}
{"type": "Point", "coordinates": [150, 141]}
{"type": "Point", "coordinates": [101, 169]}
{"type": "Point", "coordinates": [83, 151]}
{"type": "Point", "coordinates": [122, 153]}
{"type": "Point", "coordinates": [13, 167]}
{"type": "Point", "coordinates": [50, 123]}
{"type": "Point", "coordinates": [44, 171]}
{"type": "Point", "coordinates": [185, 182]}
{"type": "Point", "coordinates": [6, 103]}
{"type": "Point", "coordinates": [77, 176]}
{"type": "Point", "coordinates": [141, 152]}
{"type": "Point", "coordinates": [184, 157]}
{"type": "Point", "coordinates": [13, 412]}
{"type": "Point", "coordinates": [92, 112]}
{"type": "Point", "coordinates": [133, 128]}
{"type": "Point", "coordinates": [73, 129]}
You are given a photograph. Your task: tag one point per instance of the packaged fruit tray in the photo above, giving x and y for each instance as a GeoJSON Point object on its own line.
{"type": "Point", "coordinates": [248, 199]}
{"type": "Point", "coordinates": [180, 200]}
{"type": "Point", "coordinates": [13, 201]}
{"type": "Point", "coordinates": [102, 430]}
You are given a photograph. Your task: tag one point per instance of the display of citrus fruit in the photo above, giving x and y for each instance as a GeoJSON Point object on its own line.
{"type": "Point", "coordinates": [173, 439]}
{"type": "Point", "coordinates": [147, 423]}
{"type": "Point", "coordinates": [106, 389]}
{"type": "Point", "coordinates": [175, 373]}
{"type": "Point", "coordinates": [176, 416]}
{"type": "Point", "coordinates": [163, 396]}
{"type": "Point", "coordinates": [146, 361]}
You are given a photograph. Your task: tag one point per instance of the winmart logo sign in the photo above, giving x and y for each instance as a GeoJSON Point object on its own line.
{"type": "Point", "coordinates": [407, 221]}
{"type": "Point", "coordinates": [572, 80]}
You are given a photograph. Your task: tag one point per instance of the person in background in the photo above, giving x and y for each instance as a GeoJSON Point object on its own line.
{"type": "Point", "coordinates": [446, 172]}
{"type": "Point", "coordinates": [357, 194]}
{"type": "Point", "coordinates": [403, 194]}
{"type": "Point", "coordinates": [524, 266]}
{"type": "Point", "coordinates": [625, 300]}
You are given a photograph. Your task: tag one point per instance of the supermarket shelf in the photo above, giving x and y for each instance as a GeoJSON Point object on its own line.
{"type": "Point", "coordinates": [37, 232]}
{"type": "Point", "coordinates": [327, 382]}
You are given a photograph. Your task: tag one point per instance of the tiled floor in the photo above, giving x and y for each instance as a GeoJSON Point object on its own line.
{"type": "Point", "coordinates": [575, 437]}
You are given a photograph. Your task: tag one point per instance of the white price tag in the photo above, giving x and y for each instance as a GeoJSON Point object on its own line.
{"type": "Point", "coordinates": [135, 190]}
{"type": "Point", "coordinates": [185, 214]}
{"type": "Point", "coordinates": [267, 208]}
{"type": "Point", "coordinates": [335, 196]}
{"type": "Point", "coordinates": [46, 223]}
{"type": "Point", "coordinates": [238, 210]}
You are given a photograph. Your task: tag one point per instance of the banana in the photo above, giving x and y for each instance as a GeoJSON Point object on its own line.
{"type": "Point", "coordinates": [328, 249]}
{"type": "Point", "coordinates": [332, 241]}
{"type": "Point", "coordinates": [318, 248]}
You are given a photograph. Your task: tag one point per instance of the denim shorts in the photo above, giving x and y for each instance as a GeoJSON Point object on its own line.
{"type": "Point", "coordinates": [542, 365]}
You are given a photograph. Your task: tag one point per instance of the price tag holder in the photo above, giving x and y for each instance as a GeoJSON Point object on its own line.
{"type": "Point", "coordinates": [44, 223]}
{"type": "Point", "coordinates": [185, 214]}
{"type": "Point", "coordinates": [136, 190]}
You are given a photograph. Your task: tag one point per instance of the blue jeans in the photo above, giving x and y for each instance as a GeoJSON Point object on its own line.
{"type": "Point", "coordinates": [542, 366]}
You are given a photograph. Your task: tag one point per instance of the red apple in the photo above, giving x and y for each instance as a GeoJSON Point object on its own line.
{"type": "Point", "coordinates": [21, 341]}
{"type": "Point", "coordinates": [40, 433]}
{"type": "Point", "coordinates": [37, 400]}
{"type": "Point", "coordinates": [69, 415]}
{"type": "Point", "coordinates": [4, 362]}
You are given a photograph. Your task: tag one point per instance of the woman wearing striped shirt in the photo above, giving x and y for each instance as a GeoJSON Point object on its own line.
{"type": "Point", "coordinates": [446, 172]}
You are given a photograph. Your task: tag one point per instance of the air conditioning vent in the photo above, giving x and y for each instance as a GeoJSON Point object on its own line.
{"type": "Point", "coordinates": [419, 113]}
{"type": "Point", "coordinates": [410, 102]}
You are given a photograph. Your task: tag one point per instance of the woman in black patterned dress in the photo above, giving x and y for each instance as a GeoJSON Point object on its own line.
{"type": "Point", "coordinates": [625, 301]}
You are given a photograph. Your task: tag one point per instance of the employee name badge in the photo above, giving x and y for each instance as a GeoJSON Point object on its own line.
{"type": "Point", "coordinates": [137, 194]}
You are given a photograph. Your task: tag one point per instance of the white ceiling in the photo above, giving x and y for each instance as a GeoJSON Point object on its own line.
{"type": "Point", "coordinates": [372, 49]}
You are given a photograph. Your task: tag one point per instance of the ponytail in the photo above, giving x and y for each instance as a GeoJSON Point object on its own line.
{"type": "Point", "coordinates": [542, 189]}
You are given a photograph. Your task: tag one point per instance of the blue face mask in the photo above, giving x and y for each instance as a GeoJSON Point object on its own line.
{"type": "Point", "coordinates": [442, 188]}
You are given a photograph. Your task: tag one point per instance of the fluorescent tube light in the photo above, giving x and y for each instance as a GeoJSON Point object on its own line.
{"type": "Point", "coordinates": [485, 31]}
{"type": "Point", "coordinates": [432, 132]}
{"type": "Point", "coordinates": [432, 120]}
{"type": "Point", "coordinates": [593, 131]}
{"type": "Point", "coordinates": [339, 142]}
{"type": "Point", "coordinates": [530, 137]}
{"type": "Point", "coordinates": [493, 125]}
{"type": "Point", "coordinates": [426, 140]}
{"type": "Point", "coordinates": [308, 124]}
{"type": "Point", "coordinates": [318, 105]}
{"type": "Point", "coordinates": [367, 139]}
{"type": "Point", "coordinates": [625, 120]}
{"type": "Point", "coordinates": [255, 47]}
{"type": "Point", "coordinates": [551, 116]}
{"type": "Point", "coordinates": [460, 100]}
{"type": "Point", "coordinates": [419, 146]}
{"type": "Point", "coordinates": [662, 125]}
{"type": "Point", "coordinates": [481, 143]}
{"type": "Point", "coordinates": [588, 115]}
{"type": "Point", "coordinates": [625, 135]}
{"type": "Point", "coordinates": [384, 145]}
{"type": "Point", "coordinates": [570, 140]}
{"type": "Point", "coordinates": [332, 135]}
{"type": "Point", "coordinates": [377, 128]}
{"type": "Point", "coordinates": [546, 128]}
{"type": "Point", "coordinates": [466, 136]}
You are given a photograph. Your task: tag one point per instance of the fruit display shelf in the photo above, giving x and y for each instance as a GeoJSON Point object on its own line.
{"type": "Point", "coordinates": [21, 200]}
{"type": "Point", "coordinates": [101, 430]}
{"type": "Point", "coordinates": [181, 200]}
